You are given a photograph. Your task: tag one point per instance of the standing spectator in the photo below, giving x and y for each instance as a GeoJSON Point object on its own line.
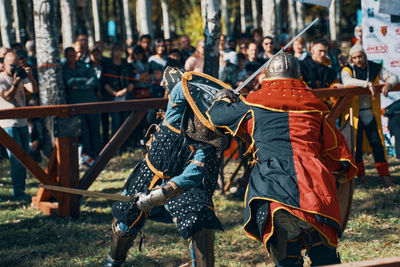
{"type": "Point", "coordinates": [252, 56]}
{"type": "Point", "coordinates": [258, 39]}
{"type": "Point", "coordinates": [196, 61]}
{"type": "Point", "coordinates": [32, 61]}
{"type": "Point", "coordinates": [158, 60]}
{"type": "Point", "coordinates": [268, 49]}
{"type": "Point", "coordinates": [299, 49]}
{"type": "Point", "coordinates": [243, 47]}
{"type": "Point", "coordinates": [3, 52]}
{"type": "Point", "coordinates": [186, 48]}
{"type": "Point", "coordinates": [117, 82]}
{"type": "Point", "coordinates": [145, 43]}
{"type": "Point", "coordinates": [141, 70]}
{"type": "Point", "coordinates": [13, 83]}
{"type": "Point", "coordinates": [168, 45]}
{"type": "Point", "coordinates": [82, 48]}
{"type": "Point", "coordinates": [241, 66]}
{"type": "Point", "coordinates": [313, 69]}
{"type": "Point", "coordinates": [226, 55]}
{"type": "Point", "coordinates": [81, 85]}
{"type": "Point", "coordinates": [38, 135]}
{"type": "Point", "coordinates": [357, 38]}
{"type": "Point", "coordinates": [366, 109]}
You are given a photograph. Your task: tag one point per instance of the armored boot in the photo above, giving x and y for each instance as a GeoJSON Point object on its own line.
{"type": "Point", "coordinates": [120, 244]}
{"type": "Point", "coordinates": [202, 248]}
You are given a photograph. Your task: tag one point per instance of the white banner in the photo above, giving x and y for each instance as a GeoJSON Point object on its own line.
{"type": "Point", "coordinates": [381, 41]}
{"type": "Point", "coordinates": [326, 3]}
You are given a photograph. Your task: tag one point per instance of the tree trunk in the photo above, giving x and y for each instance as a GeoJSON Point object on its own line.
{"type": "Point", "coordinates": [144, 17]}
{"type": "Point", "coordinates": [68, 20]}
{"type": "Point", "coordinates": [268, 18]}
{"type": "Point", "coordinates": [278, 21]}
{"type": "Point", "coordinates": [52, 91]}
{"type": "Point", "coordinates": [96, 20]}
{"type": "Point", "coordinates": [127, 19]}
{"type": "Point", "coordinates": [165, 16]}
{"type": "Point", "coordinates": [337, 19]}
{"type": "Point", "coordinates": [332, 22]}
{"type": "Point", "coordinates": [203, 7]}
{"type": "Point", "coordinates": [29, 20]}
{"type": "Point", "coordinates": [16, 21]}
{"type": "Point", "coordinates": [300, 15]}
{"type": "Point", "coordinates": [212, 32]}
{"type": "Point", "coordinates": [292, 18]}
{"type": "Point", "coordinates": [242, 17]}
{"type": "Point", "coordinates": [225, 16]}
{"type": "Point", "coordinates": [89, 23]}
{"type": "Point", "coordinates": [5, 23]}
{"type": "Point", "coordinates": [254, 11]}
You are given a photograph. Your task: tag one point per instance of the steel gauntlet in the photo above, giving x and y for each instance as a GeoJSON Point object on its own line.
{"type": "Point", "coordinates": [158, 196]}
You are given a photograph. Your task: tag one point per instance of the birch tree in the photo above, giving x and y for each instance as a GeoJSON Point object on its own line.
{"type": "Point", "coordinates": [165, 17]}
{"type": "Point", "coordinates": [89, 23]}
{"type": "Point", "coordinates": [292, 18]}
{"type": "Point", "coordinates": [16, 21]}
{"type": "Point", "coordinates": [212, 32]}
{"type": "Point", "coordinates": [254, 12]}
{"type": "Point", "coordinates": [225, 16]}
{"type": "Point", "coordinates": [144, 16]}
{"type": "Point", "coordinates": [278, 21]}
{"type": "Point", "coordinates": [334, 19]}
{"type": "Point", "coordinates": [52, 90]}
{"type": "Point", "coordinates": [127, 19]}
{"type": "Point", "coordinates": [68, 22]}
{"type": "Point", "coordinates": [242, 17]}
{"type": "Point", "coordinates": [300, 13]}
{"type": "Point", "coordinates": [268, 17]}
{"type": "Point", "coordinates": [5, 23]}
{"type": "Point", "coordinates": [96, 20]}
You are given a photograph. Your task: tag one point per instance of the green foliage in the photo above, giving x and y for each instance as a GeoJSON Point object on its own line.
{"type": "Point", "coordinates": [31, 238]}
{"type": "Point", "coordinates": [193, 26]}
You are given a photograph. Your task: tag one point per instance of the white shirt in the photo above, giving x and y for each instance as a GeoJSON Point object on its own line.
{"type": "Point", "coordinates": [18, 100]}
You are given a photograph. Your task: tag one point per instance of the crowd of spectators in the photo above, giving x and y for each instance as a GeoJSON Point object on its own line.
{"type": "Point", "coordinates": [134, 71]}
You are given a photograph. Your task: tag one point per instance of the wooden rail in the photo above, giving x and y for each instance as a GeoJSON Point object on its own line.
{"type": "Point", "coordinates": [63, 166]}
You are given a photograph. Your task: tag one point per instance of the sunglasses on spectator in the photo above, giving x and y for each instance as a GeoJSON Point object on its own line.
{"type": "Point", "coordinates": [1, 59]}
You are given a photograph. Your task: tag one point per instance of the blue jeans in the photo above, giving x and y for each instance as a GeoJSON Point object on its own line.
{"type": "Point", "coordinates": [18, 172]}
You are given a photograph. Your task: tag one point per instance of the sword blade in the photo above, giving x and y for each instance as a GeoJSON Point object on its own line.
{"type": "Point", "coordinates": [251, 77]}
{"type": "Point", "coordinates": [87, 193]}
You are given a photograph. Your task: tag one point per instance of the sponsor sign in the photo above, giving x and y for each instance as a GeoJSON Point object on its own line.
{"type": "Point", "coordinates": [381, 41]}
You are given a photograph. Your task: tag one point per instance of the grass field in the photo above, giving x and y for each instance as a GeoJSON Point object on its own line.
{"type": "Point", "coordinates": [31, 238]}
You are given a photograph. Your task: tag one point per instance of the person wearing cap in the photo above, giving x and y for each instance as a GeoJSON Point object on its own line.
{"type": "Point", "coordinates": [291, 201]}
{"type": "Point", "coordinates": [366, 109]}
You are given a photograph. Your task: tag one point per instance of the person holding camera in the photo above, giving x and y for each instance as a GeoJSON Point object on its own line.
{"type": "Point", "coordinates": [14, 80]}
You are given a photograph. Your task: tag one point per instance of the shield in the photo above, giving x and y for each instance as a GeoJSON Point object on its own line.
{"type": "Point", "coordinates": [345, 190]}
{"type": "Point", "coordinates": [199, 90]}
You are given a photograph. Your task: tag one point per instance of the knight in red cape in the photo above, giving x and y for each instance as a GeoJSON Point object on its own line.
{"type": "Point", "coordinates": [291, 201]}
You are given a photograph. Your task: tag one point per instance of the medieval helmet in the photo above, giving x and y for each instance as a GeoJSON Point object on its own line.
{"type": "Point", "coordinates": [283, 65]}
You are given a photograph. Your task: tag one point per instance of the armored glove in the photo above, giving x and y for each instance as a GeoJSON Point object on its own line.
{"type": "Point", "coordinates": [226, 94]}
{"type": "Point", "coordinates": [158, 196]}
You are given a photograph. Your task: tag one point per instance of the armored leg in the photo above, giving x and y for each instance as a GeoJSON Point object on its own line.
{"type": "Point", "coordinates": [120, 244]}
{"type": "Point", "coordinates": [202, 248]}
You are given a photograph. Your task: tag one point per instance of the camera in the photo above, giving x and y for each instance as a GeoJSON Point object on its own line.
{"type": "Point", "coordinates": [19, 71]}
